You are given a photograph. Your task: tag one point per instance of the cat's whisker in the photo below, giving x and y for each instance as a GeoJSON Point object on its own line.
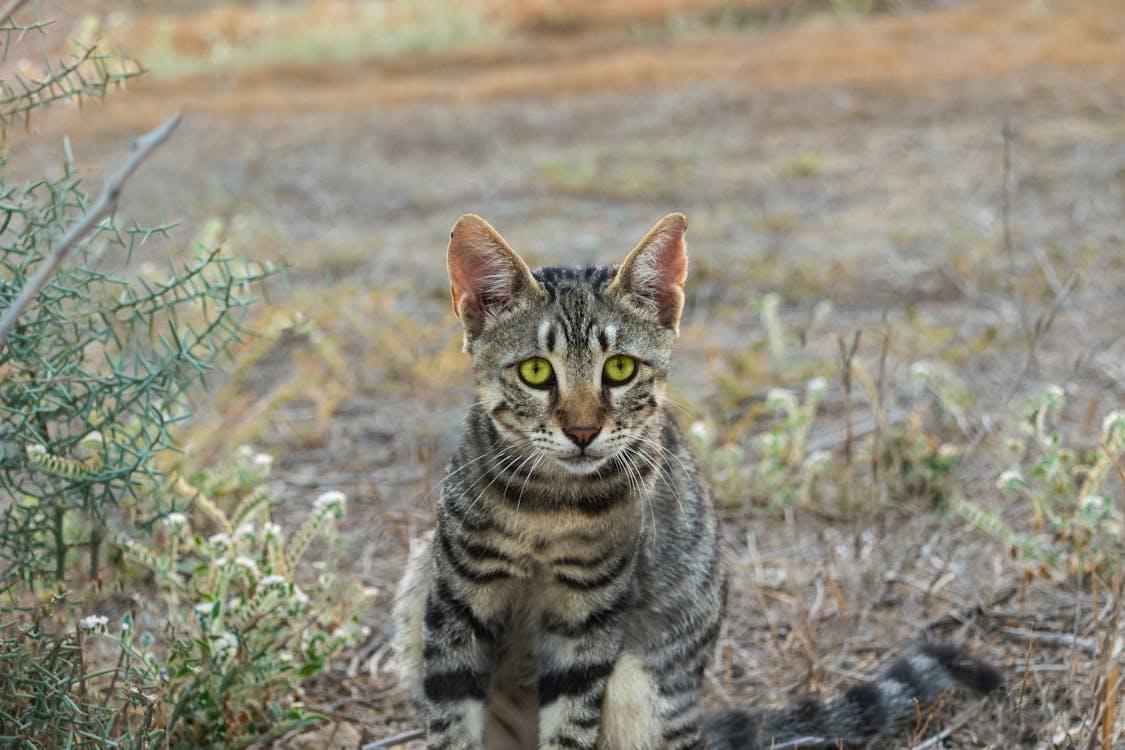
{"type": "Point", "coordinates": [530, 472]}
{"type": "Point", "coordinates": [658, 467]}
{"type": "Point", "coordinates": [679, 406]}
{"type": "Point", "coordinates": [668, 480]}
{"type": "Point", "coordinates": [463, 467]}
{"type": "Point", "coordinates": [534, 455]}
{"type": "Point", "coordinates": [506, 468]}
{"type": "Point", "coordinates": [636, 485]}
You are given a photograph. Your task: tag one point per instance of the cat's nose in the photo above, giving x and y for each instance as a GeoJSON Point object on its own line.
{"type": "Point", "coordinates": [582, 436]}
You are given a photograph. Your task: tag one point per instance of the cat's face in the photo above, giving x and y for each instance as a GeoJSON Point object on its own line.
{"type": "Point", "coordinates": [569, 364]}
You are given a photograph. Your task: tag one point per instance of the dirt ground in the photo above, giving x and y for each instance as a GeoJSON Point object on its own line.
{"type": "Point", "coordinates": [857, 160]}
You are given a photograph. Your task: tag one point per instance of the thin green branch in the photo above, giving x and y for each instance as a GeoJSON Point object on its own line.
{"type": "Point", "coordinates": [85, 75]}
{"type": "Point", "coordinates": [104, 206]}
{"type": "Point", "coordinates": [10, 10]}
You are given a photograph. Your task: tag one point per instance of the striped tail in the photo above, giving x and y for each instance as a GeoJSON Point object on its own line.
{"type": "Point", "coordinates": [863, 711]}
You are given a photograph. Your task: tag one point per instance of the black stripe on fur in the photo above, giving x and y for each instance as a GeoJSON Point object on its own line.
{"type": "Point", "coordinates": [863, 710]}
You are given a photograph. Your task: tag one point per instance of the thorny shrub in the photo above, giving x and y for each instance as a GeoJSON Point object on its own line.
{"type": "Point", "coordinates": [94, 378]}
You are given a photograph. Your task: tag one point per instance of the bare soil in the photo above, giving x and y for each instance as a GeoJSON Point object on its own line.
{"type": "Point", "coordinates": [858, 160]}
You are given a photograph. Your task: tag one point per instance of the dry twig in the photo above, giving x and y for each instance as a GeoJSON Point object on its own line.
{"type": "Point", "coordinates": [398, 739]}
{"type": "Point", "coordinates": [104, 206]}
{"type": "Point", "coordinates": [9, 10]}
{"type": "Point", "coordinates": [1046, 318]}
{"type": "Point", "coordinates": [938, 739]}
{"type": "Point", "coordinates": [1051, 638]}
{"type": "Point", "coordinates": [847, 356]}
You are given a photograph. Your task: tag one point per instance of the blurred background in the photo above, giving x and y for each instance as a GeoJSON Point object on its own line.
{"type": "Point", "coordinates": [925, 195]}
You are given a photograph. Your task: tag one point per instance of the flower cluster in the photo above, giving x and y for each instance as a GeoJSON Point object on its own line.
{"type": "Point", "coordinates": [1074, 526]}
{"type": "Point", "coordinates": [94, 622]}
{"type": "Point", "coordinates": [248, 633]}
{"type": "Point", "coordinates": [788, 470]}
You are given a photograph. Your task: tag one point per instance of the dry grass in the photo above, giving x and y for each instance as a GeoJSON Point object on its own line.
{"type": "Point", "coordinates": [988, 40]}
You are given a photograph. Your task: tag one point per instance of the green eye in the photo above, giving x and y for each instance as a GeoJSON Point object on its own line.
{"type": "Point", "coordinates": [619, 369]}
{"type": "Point", "coordinates": [537, 372]}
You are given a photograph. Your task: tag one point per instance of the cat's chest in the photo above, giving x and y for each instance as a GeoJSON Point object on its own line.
{"type": "Point", "coordinates": [542, 546]}
{"type": "Point", "coordinates": [545, 536]}
{"type": "Point", "coordinates": [548, 541]}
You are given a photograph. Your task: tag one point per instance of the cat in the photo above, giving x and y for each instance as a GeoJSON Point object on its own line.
{"type": "Point", "coordinates": [574, 587]}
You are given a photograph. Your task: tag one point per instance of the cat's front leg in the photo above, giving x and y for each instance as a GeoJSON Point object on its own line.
{"type": "Point", "coordinates": [578, 650]}
{"type": "Point", "coordinates": [457, 654]}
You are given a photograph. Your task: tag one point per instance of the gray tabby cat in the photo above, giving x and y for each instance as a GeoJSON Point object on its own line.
{"type": "Point", "coordinates": [574, 587]}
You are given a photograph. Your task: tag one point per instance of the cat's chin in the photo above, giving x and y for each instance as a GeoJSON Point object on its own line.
{"type": "Point", "coordinates": [580, 465]}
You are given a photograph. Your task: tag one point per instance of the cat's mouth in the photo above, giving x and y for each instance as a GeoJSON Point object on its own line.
{"type": "Point", "coordinates": [580, 463]}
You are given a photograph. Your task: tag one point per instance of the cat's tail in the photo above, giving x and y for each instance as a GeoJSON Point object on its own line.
{"type": "Point", "coordinates": [889, 700]}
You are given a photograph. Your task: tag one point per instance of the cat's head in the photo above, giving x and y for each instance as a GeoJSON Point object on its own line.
{"type": "Point", "coordinates": [569, 363]}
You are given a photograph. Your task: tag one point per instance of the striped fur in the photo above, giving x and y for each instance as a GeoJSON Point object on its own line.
{"type": "Point", "coordinates": [573, 588]}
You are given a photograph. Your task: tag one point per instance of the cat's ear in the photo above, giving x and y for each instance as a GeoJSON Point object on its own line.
{"type": "Point", "coordinates": [485, 275]}
{"type": "Point", "coordinates": [653, 274]}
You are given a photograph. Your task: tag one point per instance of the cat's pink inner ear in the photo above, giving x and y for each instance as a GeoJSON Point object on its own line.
{"type": "Point", "coordinates": [467, 274]}
{"type": "Point", "coordinates": [655, 272]}
{"type": "Point", "coordinates": [484, 273]}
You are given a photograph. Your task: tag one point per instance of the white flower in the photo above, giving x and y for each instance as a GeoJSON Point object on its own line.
{"type": "Point", "coordinates": [93, 621]}
{"type": "Point", "coordinates": [770, 443]}
{"type": "Point", "coordinates": [273, 580]}
{"type": "Point", "coordinates": [332, 500]}
{"type": "Point", "coordinates": [271, 530]}
{"type": "Point", "coordinates": [219, 540]}
{"type": "Point", "coordinates": [37, 450]}
{"type": "Point", "coordinates": [817, 461]}
{"type": "Point", "coordinates": [1113, 431]}
{"type": "Point", "coordinates": [780, 398]}
{"type": "Point", "coordinates": [1010, 480]}
{"type": "Point", "coordinates": [226, 645]}
{"type": "Point", "coordinates": [263, 462]}
{"type": "Point", "coordinates": [818, 386]}
{"type": "Point", "coordinates": [203, 609]}
{"type": "Point", "coordinates": [1051, 399]}
{"type": "Point", "coordinates": [1093, 504]}
{"type": "Point", "coordinates": [300, 596]}
{"type": "Point", "coordinates": [245, 451]}
{"type": "Point", "coordinates": [245, 530]}
{"type": "Point", "coordinates": [922, 370]}
{"type": "Point", "coordinates": [699, 431]}
{"type": "Point", "coordinates": [284, 657]}
{"type": "Point", "coordinates": [175, 519]}
{"type": "Point", "coordinates": [220, 562]}
{"type": "Point", "coordinates": [248, 563]}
